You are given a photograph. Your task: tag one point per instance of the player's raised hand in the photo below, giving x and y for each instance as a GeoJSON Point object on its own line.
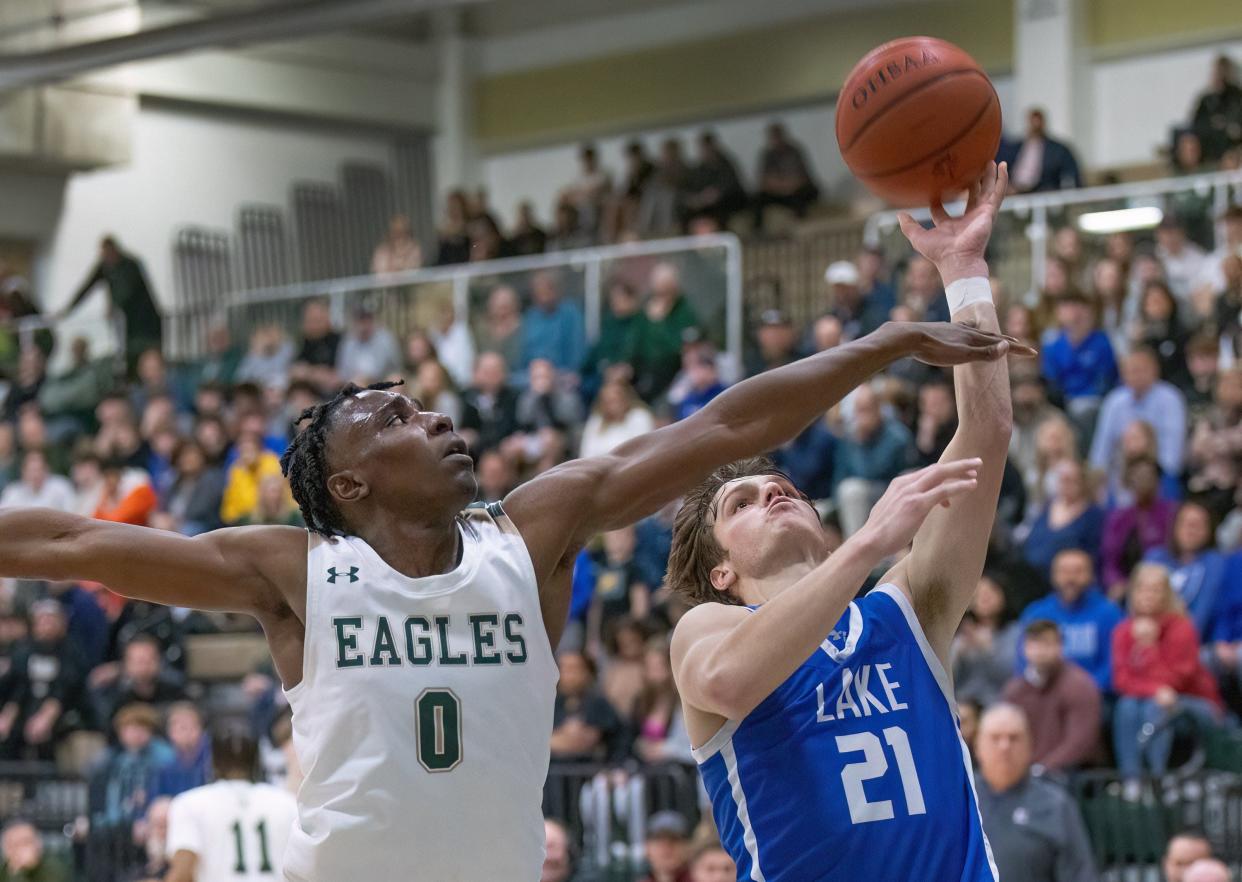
{"type": "Point", "coordinates": [910, 498]}
{"type": "Point", "coordinates": [956, 244]}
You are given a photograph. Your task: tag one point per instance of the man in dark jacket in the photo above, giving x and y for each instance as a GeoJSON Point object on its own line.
{"type": "Point", "coordinates": [1218, 115]}
{"type": "Point", "coordinates": [130, 293]}
{"type": "Point", "coordinates": [1042, 163]}
{"type": "Point", "coordinates": [489, 407]}
{"type": "Point", "coordinates": [715, 188]}
{"type": "Point", "coordinates": [48, 674]}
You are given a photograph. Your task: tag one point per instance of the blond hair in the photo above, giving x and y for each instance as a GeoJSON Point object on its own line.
{"type": "Point", "coordinates": [1172, 603]}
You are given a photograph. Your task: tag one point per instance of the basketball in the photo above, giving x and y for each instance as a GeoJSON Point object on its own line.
{"type": "Point", "coordinates": [917, 118]}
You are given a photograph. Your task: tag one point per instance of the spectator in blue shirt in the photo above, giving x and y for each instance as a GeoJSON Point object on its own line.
{"type": "Point", "coordinates": [1078, 361]}
{"type": "Point", "coordinates": [876, 448]}
{"type": "Point", "coordinates": [1224, 654]}
{"type": "Point", "coordinates": [1086, 616]}
{"type": "Point", "coordinates": [87, 622]}
{"type": "Point", "coordinates": [1143, 397]}
{"type": "Point", "coordinates": [703, 376]}
{"type": "Point", "coordinates": [190, 767]}
{"type": "Point", "coordinates": [552, 327]}
{"type": "Point", "coordinates": [808, 460]}
{"type": "Point", "coordinates": [1196, 568]}
{"type": "Point", "coordinates": [1068, 520]}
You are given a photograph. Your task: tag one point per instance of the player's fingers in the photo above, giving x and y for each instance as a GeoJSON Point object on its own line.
{"type": "Point", "coordinates": [949, 470]}
{"type": "Point", "coordinates": [972, 197]}
{"type": "Point", "coordinates": [910, 228]}
{"type": "Point", "coordinates": [1001, 185]}
{"type": "Point", "coordinates": [989, 179]}
{"type": "Point", "coordinates": [939, 215]}
{"type": "Point", "coordinates": [944, 493]}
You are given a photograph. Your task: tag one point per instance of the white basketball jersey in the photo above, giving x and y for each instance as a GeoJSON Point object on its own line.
{"type": "Point", "coordinates": [238, 830]}
{"type": "Point", "coordinates": [424, 714]}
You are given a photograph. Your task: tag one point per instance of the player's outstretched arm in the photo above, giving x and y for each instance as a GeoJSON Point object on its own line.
{"type": "Point", "coordinates": [561, 509]}
{"type": "Point", "coordinates": [943, 568]}
{"type": "Point", "coordinates": [727, 659]}
{"type": "Point", "coordinates": [233, 570]}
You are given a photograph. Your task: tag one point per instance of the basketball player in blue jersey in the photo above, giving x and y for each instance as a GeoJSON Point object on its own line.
{"type": "Point", "coordinates": [414, 637]}
{"type": "Point", "coordinates": [825, 727]}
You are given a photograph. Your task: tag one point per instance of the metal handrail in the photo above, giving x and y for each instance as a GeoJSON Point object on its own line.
{"type": "Point", "coordinates": [1024, 204]}
{"type": "Point", "coordinates": [1036, 207]}
{"type": "Point", "coordinates": [589, 259]}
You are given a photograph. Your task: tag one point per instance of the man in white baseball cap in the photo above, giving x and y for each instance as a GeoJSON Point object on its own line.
{"type": "Point", "coordinates": [845, 298]}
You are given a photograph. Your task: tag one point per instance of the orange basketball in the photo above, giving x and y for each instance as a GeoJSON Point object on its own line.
{"type": "Point", "coordinates": [917, 118]}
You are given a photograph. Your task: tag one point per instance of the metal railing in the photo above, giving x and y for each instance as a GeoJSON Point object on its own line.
{"type": "Point", "coordinates": [606, 809]}
{"type": "Point", "coordinates": [466, 286]}
{"type": "Point", "coordinates": [1129, 830]}
{"type": "Point", "coordinates": [1031, 214]}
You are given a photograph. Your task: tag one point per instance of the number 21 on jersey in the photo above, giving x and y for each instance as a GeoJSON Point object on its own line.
{"type": "Point", "coordinates": [874, 764]}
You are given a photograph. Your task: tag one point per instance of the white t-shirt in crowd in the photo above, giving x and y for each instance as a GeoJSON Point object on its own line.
{"type": "Point", "coordinates": [57, 492]}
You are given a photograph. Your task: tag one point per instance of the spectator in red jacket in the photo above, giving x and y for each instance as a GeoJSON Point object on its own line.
{"type": "Point", "coordinates": [1157, 674]}
{"type": "Point", "coordinates": [1061, 700]}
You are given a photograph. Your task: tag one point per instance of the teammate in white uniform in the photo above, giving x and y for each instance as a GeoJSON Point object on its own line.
{"type": "Point", "coordinates": [234, 830]}
{"type": "Point", "coordinates": [415, 642]}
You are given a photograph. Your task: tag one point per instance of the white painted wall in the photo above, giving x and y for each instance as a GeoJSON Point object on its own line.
{"type": "Point", "coordinates": [187, 168]}
{"type": "Point", "coordinates": [1137, 99]}
{"type": "Point", "coordinates": [539, 174]}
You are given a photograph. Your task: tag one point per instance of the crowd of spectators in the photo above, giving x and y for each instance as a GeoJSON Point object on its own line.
{"type": "Point", "coordinates": [653, 196]}
{"type": "Point", "coordinates": [1111, 604]}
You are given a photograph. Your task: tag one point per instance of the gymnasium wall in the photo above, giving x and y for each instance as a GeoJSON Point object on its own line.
{"type": "Point", "coordinates": [790, 63]}
{"type": "Point", "coordinates": [188, 167]}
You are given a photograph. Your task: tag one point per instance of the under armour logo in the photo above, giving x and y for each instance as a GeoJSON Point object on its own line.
{"type": "Point", "coordinates": [333, 574]}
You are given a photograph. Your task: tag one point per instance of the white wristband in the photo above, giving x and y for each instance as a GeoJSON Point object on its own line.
{"type": "Point", "coordinates": [966, 292]}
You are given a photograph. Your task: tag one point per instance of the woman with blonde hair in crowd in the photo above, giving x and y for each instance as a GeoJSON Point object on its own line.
{"type": "Point", "coordinates": [618, 417]}
{"type": "Point", "coordinates": [434, 388]}
{"type": "Point", "coordinates": [1055, 443]}
{"type": "Point", "coordinates": [1109, 292]}
{"type": "Point", "coordinates": [662, 735]}
{"type": "Point", "coordinates": [1157, 675]}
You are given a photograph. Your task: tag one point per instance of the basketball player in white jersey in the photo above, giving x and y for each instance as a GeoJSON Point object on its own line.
{"type": "Point", "coordinates": [415, 641]}
{"type": "Point", "coordinates": [234, 830]}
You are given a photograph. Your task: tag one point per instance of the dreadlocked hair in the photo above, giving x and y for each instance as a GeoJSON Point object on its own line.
{"type": "Point", "coordinates": [305, 464]}
{"type": "Point", "coordinates": [695, 551]}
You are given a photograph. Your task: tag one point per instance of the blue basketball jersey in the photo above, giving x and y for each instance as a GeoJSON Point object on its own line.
{"type": "Point", "coordinates": [854, 768]}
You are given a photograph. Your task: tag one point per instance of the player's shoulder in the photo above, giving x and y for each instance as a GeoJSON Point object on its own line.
{"type": "Point", "coordinates": [207, 794]}
{"type": "Point", "coordinates": [704, 620]}
{"type": "Point", "coordinates": [707, 615]}
{"type": "Point", "coordinates": [487, 521]}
